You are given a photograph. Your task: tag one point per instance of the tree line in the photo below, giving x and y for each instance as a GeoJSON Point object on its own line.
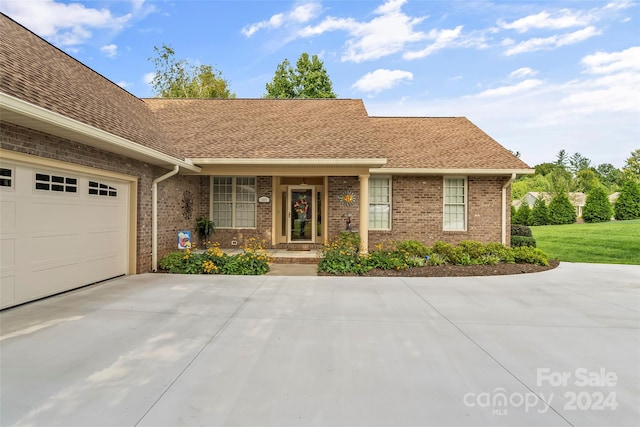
{"type": "Point", "coordinates": [575, 173]}
{"type": "Point", "coordinates": [178, 78]}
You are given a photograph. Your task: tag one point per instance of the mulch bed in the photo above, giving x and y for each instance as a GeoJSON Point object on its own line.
{"type": "Point", "coordinates": [459, 270]}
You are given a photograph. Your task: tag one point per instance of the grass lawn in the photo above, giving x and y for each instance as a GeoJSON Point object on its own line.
{"type": "Point", "coordinates": [615, 242]}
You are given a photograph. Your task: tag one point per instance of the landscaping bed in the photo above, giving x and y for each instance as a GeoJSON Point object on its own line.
{"type": "Point", "coordinates": [457, 270]}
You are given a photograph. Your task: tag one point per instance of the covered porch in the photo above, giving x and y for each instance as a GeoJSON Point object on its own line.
{"type": "Point", "coordinates": [300, 204]}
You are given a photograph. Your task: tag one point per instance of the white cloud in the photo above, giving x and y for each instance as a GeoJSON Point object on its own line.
{"type": "Point", "coordinates": [604, 63]}
{"type": "Point", "coordinates": [595, 114]}
{"type": "Point", "coordinates": [148, 78]}
{"type": "Point", "coordinates": [552, 42]}
{"type": "Point", "coordinates": [298, 15]}
{"type": "Point", "coordinates": [441, 39]}
{"type": "Point", "coordinates": [524, 85]}
{"type": "Point", "coordinates": [111, 50]}
{"type": "Point", "coordinates": [63, 24]}
{"type": "Point", "coordinates": [381, 79]}
{"type": "Point", "coordinates": [389, 32]}
{"type": "Point", "coordinates": [124, 84]}
{"type": "Point", "coordinates": [522, 72]}
{"type": "Point", "coordinates": [561, 19]}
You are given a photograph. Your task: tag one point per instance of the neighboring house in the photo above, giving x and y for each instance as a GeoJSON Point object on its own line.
{"type": "Point", "coordinates": [97, 183]}
{"type": "Point", "coordinates": [577, 199]}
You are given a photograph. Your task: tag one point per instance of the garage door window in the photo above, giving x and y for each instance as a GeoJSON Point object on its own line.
{"type": "Point", "coordinates": [100, 189]}
{"type": "Point", "coordinates": [56, 183]}
{"type": "Point", "coordinates": [6, 177]}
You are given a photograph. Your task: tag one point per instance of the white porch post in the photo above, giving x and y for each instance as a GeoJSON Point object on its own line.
{"type": "Point", "coordinates": [364, 213]}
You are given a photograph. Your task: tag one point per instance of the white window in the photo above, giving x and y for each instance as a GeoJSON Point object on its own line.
{"type": "Point", "coordinates": [6, 177]}
{"type": "Point", "coordinates": [455, 204]}
{"type": "Point", "coordinates": [233, 201]}
{"type": "Point", "coordinates": [56, 183]}
{"type": "Point", "coordinates": [379, 203]}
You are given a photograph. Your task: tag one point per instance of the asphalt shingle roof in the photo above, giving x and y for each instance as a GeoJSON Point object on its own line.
{"type": "Point", "coordinates": [33, 70]}
{"type": "Point", "coordinates": [439, 143]}
{"type": "Point", "coordinates": [267, 128]}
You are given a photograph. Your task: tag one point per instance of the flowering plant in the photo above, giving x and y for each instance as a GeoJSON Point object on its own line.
{"type": "Point", "coordinates": [301, 206]}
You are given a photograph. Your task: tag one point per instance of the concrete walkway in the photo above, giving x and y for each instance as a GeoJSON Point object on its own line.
{"type": "Point", "coordinates": [557, 348]}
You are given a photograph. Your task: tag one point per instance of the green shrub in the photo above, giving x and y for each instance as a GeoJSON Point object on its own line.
{"type": "Point", "coordinates": [436, 259]}
{"type": "Point", "coordinates": [413, 247]}
{"type": "Point", "coordinates": [518, 241]}
{"type": "Point", "coordinates": [561, 211]}
{"type": "Point", "coordinates": [499, 250]}
{"type": "Point", "coordinates": [173, 262]}
{"type": "Point", "coordinates": [597, 207]}
{"type": "Point", "coordinates": [340, 256]}
{"type": "Point", "coordinates": [474, 249]}
{"type": "Point", "coordinates": [530, 255]}
{"type": "Point", "coordinates": [489, 260]}
{"type": "Point", "coordinates": [520, 230]}
{"type": "Point", "coordinates": [539, 213]}
{"type": "Point", "coordinates": [513, 214]}
{"type": "Point", "coordinates": [443, 249]}
{"type": "Point", "coordinates": [523, 215]}
{"type": "Point", "coordinates": [628, 204]}
{"type": "Point", "coordinates": [253, 260]}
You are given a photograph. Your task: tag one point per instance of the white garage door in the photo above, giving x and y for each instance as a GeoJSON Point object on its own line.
{"type": "Point", "coordinates": [59, 230]}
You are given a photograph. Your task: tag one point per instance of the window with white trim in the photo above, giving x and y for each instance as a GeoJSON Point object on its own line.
{"type": "Point", "coordinates": [455, 204]}
{"type": "Point", "coordinates": [6, 177]}
{"type": "Point", "coordinates": [379, 203]}
{"type": "Point", "coordinates": [233, 201]}
{"type": "Point", "coordinates": [56, 183]}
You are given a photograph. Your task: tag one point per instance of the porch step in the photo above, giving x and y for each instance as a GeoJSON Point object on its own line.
{"type": "Point", "coordinates": [287, 256]}
{"type": "Point", "coordinates": [296, 247]}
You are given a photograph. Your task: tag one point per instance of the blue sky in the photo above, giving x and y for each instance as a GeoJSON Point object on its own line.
{"type": "Point", "coordinates": [538, 76]}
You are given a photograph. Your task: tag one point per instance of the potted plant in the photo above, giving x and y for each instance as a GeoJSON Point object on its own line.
{"type": "Point", "coordinates": [204, 228]}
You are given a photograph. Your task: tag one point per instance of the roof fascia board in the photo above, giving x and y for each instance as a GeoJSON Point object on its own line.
{"type": "Point", "coordinates": [372, 163]}
{"type": "Point", "coordinates": [24, 108]}
{"type": "Point", "coordinates": [449, 171]}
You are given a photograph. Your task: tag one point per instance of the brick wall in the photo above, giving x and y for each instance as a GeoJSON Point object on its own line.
{"type": "Point", "coordinates": [28, 141]}
{"type": "Point", "coordinates": [337, 211]}
{"type": "Point", "coordinates": [417, 204]}
{"type": "Point", "coordinates": [173, 216]}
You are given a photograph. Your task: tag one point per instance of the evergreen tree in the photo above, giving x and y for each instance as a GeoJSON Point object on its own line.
{"type": "Point", "coordinates": [597, 207]}
{"type": "Point", "coordinates": [561, 211]}
{"type": "Point", "coordinates": [540, 212]}
{"type": "Point", "coordinates": [513, 214]}
{"type": "Point", "coordinates": [628, 204]}
{"type": "Point", "coordinates": [523, 214]}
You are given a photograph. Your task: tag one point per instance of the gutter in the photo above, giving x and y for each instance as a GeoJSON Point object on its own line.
{"type": "Point", "coordinates": [504, 207]}
{"type": "Point", "coordinates": [154, 216]}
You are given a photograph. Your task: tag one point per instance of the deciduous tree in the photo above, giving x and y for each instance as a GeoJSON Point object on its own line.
{"type": "Point", "coordinates": [176, 78]}
{"type": "Point", "coordinates": [308, 80]}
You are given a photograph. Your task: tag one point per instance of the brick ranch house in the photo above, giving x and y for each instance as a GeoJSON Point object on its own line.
{"type": "Point", "coordinates": [96, 182]}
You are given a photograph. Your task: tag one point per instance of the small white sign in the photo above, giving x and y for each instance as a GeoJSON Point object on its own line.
{"type": "Point", "coordinates": [264, 199]}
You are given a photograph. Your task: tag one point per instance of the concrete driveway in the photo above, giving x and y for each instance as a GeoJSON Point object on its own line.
{"type": "Point", "coordinates": [557, 348]}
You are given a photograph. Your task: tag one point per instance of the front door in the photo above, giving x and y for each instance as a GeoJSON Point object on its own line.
{"type": "Point", "coordinates": [302, 223]}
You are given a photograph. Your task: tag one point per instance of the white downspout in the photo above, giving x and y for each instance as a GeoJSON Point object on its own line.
{"type": "Point", "coordinates": [154, 216]}
{"type": "Point", "coordinates": [504, 207]}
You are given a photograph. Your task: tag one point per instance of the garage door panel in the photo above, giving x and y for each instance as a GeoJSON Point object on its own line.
{"type": "Point", "coordinates": [54, 215]}
{"type": "Point", "coordinates": [7, 290]}
{"type": "Point", "coordinates": [7, 215]}
{"type": "Point", "coordinates": [56, 241]}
